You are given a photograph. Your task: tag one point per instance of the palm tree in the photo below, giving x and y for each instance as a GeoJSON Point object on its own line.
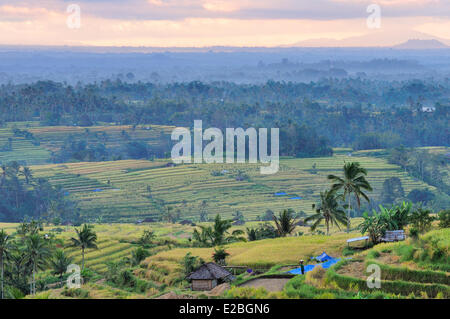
{"type": "Point", "coordinates": [238, 218]}
{"type": "Point", "coordinates": [87, 238]}
{"type": "Point", "coordinates": [4, 171]}
{"type": "Point", "coordinates": [219, 230]}
{"type": "Point", "coordinates": [204, 236]}
{"type": "Point", "coordinates": [285, 222]}
{"type": "Point", "coordinates": [37, 253]}
{"type": "Point", "coordinates": [26, 172]}
{"type": "Point", "coordinates": [169, 216]}
{"type": "Point", "coordinates": [60, 262]}
{"type": "Point", "coordinates": [5, 246]}
{"type": "Point", "coordinates": [329, 211]}
{"type": "Point", "coordinates": [217, 234]}
{"type": "Point", "coordinates": [138, 255]}
{"type": "Point", "coordinates": [219, 255]}
{"type": "Point", "coordinates": [353, 182]}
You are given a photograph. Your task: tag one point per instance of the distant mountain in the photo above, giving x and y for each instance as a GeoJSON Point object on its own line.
{"type": "Point", "coordinates": [421, 44]}
{"type": "Point", "coordinates": [378, 38]}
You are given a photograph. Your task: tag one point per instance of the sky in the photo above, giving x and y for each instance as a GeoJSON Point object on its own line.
{"type": "Point", "coordinates": [200, 23]}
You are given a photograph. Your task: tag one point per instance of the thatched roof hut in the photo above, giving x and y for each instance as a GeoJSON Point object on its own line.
{"type": "Point", "coordinates": [208, 275]}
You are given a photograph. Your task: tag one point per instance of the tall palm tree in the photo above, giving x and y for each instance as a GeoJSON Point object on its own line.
{"type": "Point", "coordinates": [4, 172]}
{"type": "Point", "coordinates": [60, 262]}
{"type": "Point", "coordinates": [328, 210]}
{"type": "Point", "coordinates": [86, 238]}
{"type": "Point", "coordinates": [5, 247]}
{"type": "Point", "coordinates": [26, 172]}
{"type": "Point", "coordinates": [353, 182]}
{"type": "Point", "coordinates": [216, 235]}
{"type": "Point", "coordinates": [37, 253]}
{"type": "Point", "coordinates": [285, 222]}
{"type": "Point", "coordinates": [238, 217]}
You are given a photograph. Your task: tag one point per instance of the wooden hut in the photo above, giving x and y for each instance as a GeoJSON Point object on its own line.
{"type": "Point", "coordinates": [208, 276]}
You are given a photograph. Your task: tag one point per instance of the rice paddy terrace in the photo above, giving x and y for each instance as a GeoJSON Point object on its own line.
{"type": "Point", "coordinates": [115, 241]}
{"type": "Point", "coordinates": [133, 189]}
{"type": "Point", "coordinates": [48, 139]}
{"type": "Point", "coordinates": [128, 190]}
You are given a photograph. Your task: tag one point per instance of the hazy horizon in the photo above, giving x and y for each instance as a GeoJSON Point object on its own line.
{"type": "Point", "coordinates": [231, 23]}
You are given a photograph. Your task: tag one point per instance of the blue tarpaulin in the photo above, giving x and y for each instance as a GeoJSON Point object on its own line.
{"type": "Point", "coordinates": [97, 190]}
{"type": "Point", "coordinates": [280, 194]}
{"type": "Point", "coordinates": [298, 197]}
{"type": "Point", "coordinates": [325, 265]}
{"type": "Point", "coordinates": [322, 257]}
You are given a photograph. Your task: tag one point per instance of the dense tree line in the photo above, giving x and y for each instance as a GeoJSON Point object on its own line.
{"type": "Point", "coordinates": [365, 114]}
{"type": "Point", "coordinates": [22, 196]}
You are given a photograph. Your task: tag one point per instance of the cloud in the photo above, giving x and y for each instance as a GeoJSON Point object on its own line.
{"type": "Point", "coordinates": [214, 22]}
{"type": "Point", "coordinates": [221, 5]}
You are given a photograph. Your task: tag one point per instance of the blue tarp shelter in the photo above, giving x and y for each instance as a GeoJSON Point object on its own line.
{"type": "Point", "coordinates": [280, 194]}
{"type": "Point", "coordinates": [322, 257]}
{"type": "Point", "coordinates": [297, 197]}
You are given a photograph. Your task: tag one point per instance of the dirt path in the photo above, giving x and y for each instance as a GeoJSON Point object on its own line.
{"type": "Point", "coordinates": [270, 284]}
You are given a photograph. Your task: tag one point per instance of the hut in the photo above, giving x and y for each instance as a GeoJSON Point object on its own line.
{"type": "Point", "coordinates": [208, 276]}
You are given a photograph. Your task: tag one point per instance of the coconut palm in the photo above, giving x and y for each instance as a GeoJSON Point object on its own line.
{"type": "Point", "coordinates": [217, 234]}
{"type": "Point", "coordinates": [4, 172]}
{"type": "Point", "coordinates": [328, 210]}
{"type": "Point", "coordinates": [60, 262]}
{"type": "Point", "coordinates": [138, 255]}
{"type": "Point", "coordinates": [285, 222]}
{"type": "Point", "coordinates": [86, 238]}
{"type": "Point", "coordinates": [5, 247]}
{"type": "Point", "coordinates": [219, 255]}
{"type": "Point", "coordinates": [26, 172]}
{"type": "Point", "coordinates": [353, 182]}
{"type": "Point", "coordinates": [37, 253]}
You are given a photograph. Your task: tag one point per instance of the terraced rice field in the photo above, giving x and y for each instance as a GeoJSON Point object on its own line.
{"type": "Point", "coordinates": [23, 150]}
{"type": "Point", "coordinates": [51, 138]}
{"type": "Point", "coordinates": [118, 191]}
{"type": "Point", "coordinates": [268, 252]}
{"type": "Point", "coordinates": [114, 240]}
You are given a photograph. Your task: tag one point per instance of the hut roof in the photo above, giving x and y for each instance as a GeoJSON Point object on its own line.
{"type": "Point", "coordinates": [210, 271]}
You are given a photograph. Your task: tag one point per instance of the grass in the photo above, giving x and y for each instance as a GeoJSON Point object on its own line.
{"type": "Point", "coordinates": [267, 253]}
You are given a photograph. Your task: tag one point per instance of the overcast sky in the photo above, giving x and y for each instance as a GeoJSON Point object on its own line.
{"type": "Point", "coordinates": [221, 22]}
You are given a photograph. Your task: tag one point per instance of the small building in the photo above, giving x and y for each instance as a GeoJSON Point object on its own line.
{"type": "Point", "coordinates": [428, 109]}
{"type": "Point", "coordinates": [208, 276]}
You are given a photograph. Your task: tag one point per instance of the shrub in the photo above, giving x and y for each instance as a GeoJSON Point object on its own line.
{"type": "Point", "coordinates": [76, 293]}
{"type": "Point", "coordinates": [316, 276]}
{"type": "Point", "coordinates": [444, 218]}
{"type": "Point", "coordinates": [246, 293]}
{"type": "Point", "coordinates": [347, 251]}
{"type": "Point", "coordinates": [421, 219]}
{"type": "Point", "coordinates": [325, 295]}
{"type": "Point", "coordinates": [414, 233]}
